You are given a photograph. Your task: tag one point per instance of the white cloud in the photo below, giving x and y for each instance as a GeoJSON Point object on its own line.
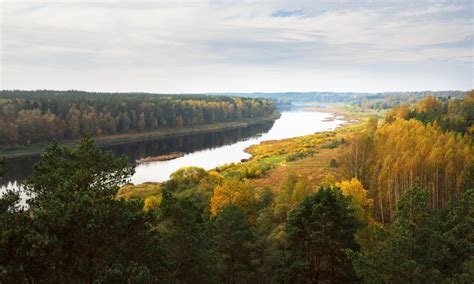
{"type": "Point", "coordinates": [228, 46]}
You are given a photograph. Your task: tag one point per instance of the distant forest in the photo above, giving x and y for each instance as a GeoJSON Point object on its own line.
{"type": "Point", "coordinates": [384, 100]}
{"type": "Point", "coordinates": [38, 116]}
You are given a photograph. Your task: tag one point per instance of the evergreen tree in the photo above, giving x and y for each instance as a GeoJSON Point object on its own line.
{"type": "Point", "coordinates": [184, 233]}
{"type": "Point", "coordinates": [458, 233]}
{"type": "Point", "coordinates": [75, 230]}
{"type": "Point", "coordinates": [232, 236]}
{"type": "Point", "coordinates": [418, 247]}
{"type": "Point", "coordinates": [319, 231]}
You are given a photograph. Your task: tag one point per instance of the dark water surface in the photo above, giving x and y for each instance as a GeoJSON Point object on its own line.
{"type": "Point", "coordinates": [206, 150]}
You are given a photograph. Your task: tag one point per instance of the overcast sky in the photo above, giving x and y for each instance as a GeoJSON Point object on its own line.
{"type": "Point", "coordinates": [237, 46]}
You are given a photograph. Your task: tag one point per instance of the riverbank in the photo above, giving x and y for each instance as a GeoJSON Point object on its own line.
{"type": "Point", "coordinates": [35, 149]}
{"type": "Point", "coordinates": [312, 158]}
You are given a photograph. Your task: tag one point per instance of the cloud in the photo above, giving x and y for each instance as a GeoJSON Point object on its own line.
{"type": "Point", "coordinates": [216, 46]}
{"type": "Point", "coordinates": [286, 13]}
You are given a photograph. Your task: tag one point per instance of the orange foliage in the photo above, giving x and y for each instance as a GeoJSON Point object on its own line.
{"type": "Point", "coordinates": [429, 103]}
{"type": "Point", "coordinates": [401, 111]}
{"type": "Point", "coordinates": [469, 97]}
{"type": "Point", "coordinates": [235, 192]}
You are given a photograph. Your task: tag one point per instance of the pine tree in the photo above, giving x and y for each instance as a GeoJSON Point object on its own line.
{"type": "Point", "coordinates": [184, 233]}
{"type": "Point", "coordinates": [74, 229]}
{"type": "Point", "coordinates": [232, 236]}
{"type": "Point", "coordinates": [417, 247]}
{"type": "Point", "coordinates": [319, 232]}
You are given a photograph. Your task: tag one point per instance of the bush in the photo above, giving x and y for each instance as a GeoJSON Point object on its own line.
{"type": "Point", "coordinates": [248, 170]}
{"type": "Point", "coordinates": [333, 163]}
{"type": "Point", "coordinates": [334, 144]}
{"type": "Point", "coordinates": [299, 155]}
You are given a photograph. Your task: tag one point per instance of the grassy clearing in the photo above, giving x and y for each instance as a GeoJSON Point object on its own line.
{"type": "Point", "coordinates": [314, 169]}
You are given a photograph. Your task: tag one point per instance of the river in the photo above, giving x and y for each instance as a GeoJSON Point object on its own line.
{"type": "Point", "coordinates": [207, 150]}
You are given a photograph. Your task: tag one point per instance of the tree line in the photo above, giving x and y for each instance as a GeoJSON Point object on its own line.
{"type": "Point", "coordinates": [385, 100]}
{"type": "Point", "coordinates": [449, 114]}
{"type": "Point", "coordinates": [28, 117]}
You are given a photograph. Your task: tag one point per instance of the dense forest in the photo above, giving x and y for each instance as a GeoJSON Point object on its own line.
{"type": "Point", "coordinates": [39, 116]}
{"type": "Point", "coordinates": [415, 144]}
{"type": "Point", "coordinates": [390, 200]}
{"type": "Point", "coordinates": [453, 114]}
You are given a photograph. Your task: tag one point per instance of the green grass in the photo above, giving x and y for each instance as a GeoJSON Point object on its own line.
{"type": "Point", "coordinates": [275, 160]}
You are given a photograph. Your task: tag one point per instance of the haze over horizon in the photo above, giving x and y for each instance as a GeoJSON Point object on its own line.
{"type": "Point", "coordinates": [237, 46]}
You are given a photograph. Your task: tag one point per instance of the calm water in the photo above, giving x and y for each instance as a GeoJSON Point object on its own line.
{"type": "Point", "coordinates": [202, 150]}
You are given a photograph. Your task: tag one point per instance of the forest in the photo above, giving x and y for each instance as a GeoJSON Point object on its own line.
{"type": "Point", "coordinates": [28, 117]}
{"type": "Point", "coordinates": [384, 100]}
{"type": "Point", "coordinates": [386, 200]}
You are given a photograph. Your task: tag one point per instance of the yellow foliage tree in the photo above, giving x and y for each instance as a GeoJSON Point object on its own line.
{"type": "Point", "coordinates": [408, 151]}
{"type": "Point", "coordinates": [469, 97]}
{"type": "Point", "coordinates": [151, 202]}
{"type": "Point", "coordinates": [290, 195]}
{"type": "Point", "coordinates": [235, 192]}
{"type": "Point", "coordinates": [362, 205]}
{"type": "Point", "coordinates": [401, 111]}
{"type": "Point", "coordinates": [429, 103]}
{"type": "Point", "coordinates": [361, 202]}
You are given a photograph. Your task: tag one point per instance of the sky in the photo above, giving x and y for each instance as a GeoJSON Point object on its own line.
{"type": "Point", "coordinates": [237, 46]}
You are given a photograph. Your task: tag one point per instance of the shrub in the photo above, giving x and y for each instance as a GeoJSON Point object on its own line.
{"type": "Point", "coordinates": [334, 144]}
{"type": "Point", "coordinates": [299, 155]}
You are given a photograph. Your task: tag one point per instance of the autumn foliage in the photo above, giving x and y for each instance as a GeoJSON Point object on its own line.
{"type": "Point", "coordinates": [235, 192]}
{"type": "Point", "coordinates": [411, 147]}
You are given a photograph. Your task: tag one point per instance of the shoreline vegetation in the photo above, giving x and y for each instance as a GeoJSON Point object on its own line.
{"type": "Point", "coordinates": [160, 158]}
{"type": "Point", "coordinates": [281, 168]}
{"type": "Point", "coordinates": [116, 139]}
{"type": "Point", "coordinates": [310, 166]}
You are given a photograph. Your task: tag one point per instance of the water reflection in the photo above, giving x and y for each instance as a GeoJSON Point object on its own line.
{"type": "Point", "coordinates": [204, 150]}
{"type": "Point", "coordinates": [19, 168]}
{"type": "Point", "coordinates": [291, 124]}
